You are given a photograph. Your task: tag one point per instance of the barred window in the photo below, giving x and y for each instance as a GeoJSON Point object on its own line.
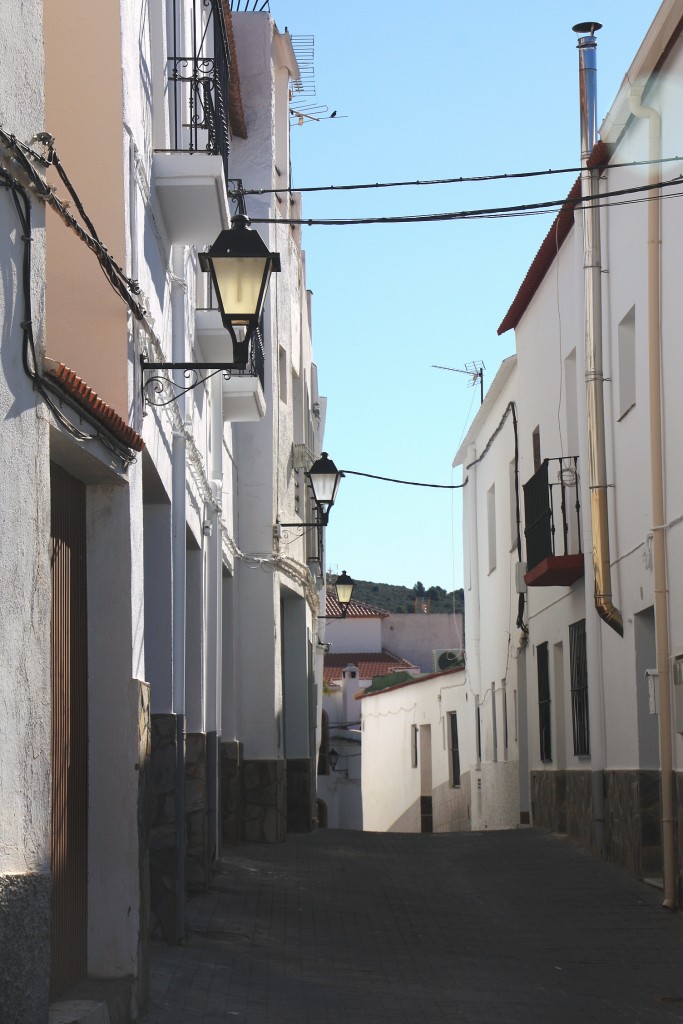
{"type": "Point", "coordinates": [542, 666]}
{"type": "Point", "coordinates": [579, 678]}
{"type": "Point", "coordinates": [455, 749]}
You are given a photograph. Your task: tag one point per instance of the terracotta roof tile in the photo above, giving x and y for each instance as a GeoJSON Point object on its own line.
{"type": "Point", "coordinates": [91, 403]}
{"type": "Point", "coordinates": [356, 609]}
{"type": "Point", "coordinates": [369, 665]}
{"type": "Point", "coordinates": [238, 122]}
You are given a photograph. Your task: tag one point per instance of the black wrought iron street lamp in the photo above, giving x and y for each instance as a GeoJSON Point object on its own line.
{"type": "Point", "coordinates": [343, 586]}
{"type": "Point", "coordinates": [240, 266]}
{"type": "Point", "coordinates": [324, 478]}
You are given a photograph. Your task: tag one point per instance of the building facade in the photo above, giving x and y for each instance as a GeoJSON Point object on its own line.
{"type": "Point", "coordinates": [597, 659]}
{"type": "Point", "coordinates": [165, 625]}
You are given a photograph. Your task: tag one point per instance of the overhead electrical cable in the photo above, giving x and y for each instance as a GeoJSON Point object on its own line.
{"type": "Point", "coordinates": [461, 180]}
{"type": "Point", "coordinates": [408, 483]}
{"type": "Point", "coordinates": [547, 206]}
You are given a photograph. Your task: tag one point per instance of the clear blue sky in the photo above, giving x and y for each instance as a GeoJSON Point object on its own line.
{"type": "Point", "coordinates": [434, 90]}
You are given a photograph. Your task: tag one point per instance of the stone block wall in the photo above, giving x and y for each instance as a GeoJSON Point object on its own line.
{"type": "Point", "coordinates": [144, 817]}
{"type": "Point", "coordinates": [632, 821]}
{"type": "Point", "coordinates": [163, 831]}
{"type": "Point", "coordinates": [196, 812]}
{"type": "Point", "coordinates": [563, 802]}
{"type": "Point", "coordinates": [301, 794]}
{"type": "Point", "coordinates": [265, 801]}
{"type": "Point", "coordinates": [231, 801]}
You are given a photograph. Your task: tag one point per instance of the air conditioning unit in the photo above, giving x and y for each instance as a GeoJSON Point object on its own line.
{"type": "Point", "coordinates": [449, 657]}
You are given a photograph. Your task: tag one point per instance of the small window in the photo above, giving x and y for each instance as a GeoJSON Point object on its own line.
{"type": "Point", "coordinates": [283, 374]}
{"type": "Point", "coordinates": [579, 688]}
{"type": "Point", "coordinates": [626, 337]}
{"type": "Point", "coordinates": [494, 722]}
{"type": "Point", "coordinates": [455, 749]}
{"type": "Point", "coordinates": [504, 692]}
{"type": "Point", "coordinates": [478, 730]}
{"type": "Point", "coordinates": [414, 742]}
{"type": "Point", "coordinates": [536, 445]}
{"type": "Point", "coordinates": [491, 512]}
{"type": "Point", "coordinates": [542, 665]}
{"type": "Point", "coordinates": [513, 504]}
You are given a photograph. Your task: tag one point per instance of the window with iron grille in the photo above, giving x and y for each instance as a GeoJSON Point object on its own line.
{"type": "Point", "coordinates": [542, 666]}
{"type": "Point", "coordinates": [455, 748]}
{"type": "Point", "coordinates": [579, 687]}
{"type": "Point", "coordinates": [478, 728]}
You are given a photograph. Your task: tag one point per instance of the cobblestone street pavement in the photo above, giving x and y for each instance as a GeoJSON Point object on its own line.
{"type": "Point", "coordinates": [385, 929]}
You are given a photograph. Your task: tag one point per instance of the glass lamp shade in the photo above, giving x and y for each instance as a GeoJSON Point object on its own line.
{"type": "Point", "coordinates": [344, 586]}
{"type": "Point", "coordinates": [240, 266]}
{"type": "Point", "coordinates": [324, 477]}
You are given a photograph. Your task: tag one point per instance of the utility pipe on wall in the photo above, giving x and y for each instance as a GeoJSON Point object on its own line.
{"type": "Point", "coordinates": [654, 330]}
{"type": "Point", "coordinates": [595, 406]}
{"type": "Point", "coordinates": [179, 568]}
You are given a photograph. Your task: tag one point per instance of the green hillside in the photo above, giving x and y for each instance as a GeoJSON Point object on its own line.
{"type": "Point", "coordinates": [408, 599]}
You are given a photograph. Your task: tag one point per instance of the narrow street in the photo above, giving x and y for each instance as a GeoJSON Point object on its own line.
{"type": "Point", "coordinates": [386, 928]}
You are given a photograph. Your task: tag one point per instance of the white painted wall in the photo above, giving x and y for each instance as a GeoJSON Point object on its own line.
{"type": "Point", "coordinates": [24, 505]}
{"type": "Point", "coordinates": [550, 348]}
{"type": "Point", "coordinates": [388, 720]}
{"type": "Point", "coordinates": [415, 637]}
{"type": "Point", "coordinates": [358, 634]}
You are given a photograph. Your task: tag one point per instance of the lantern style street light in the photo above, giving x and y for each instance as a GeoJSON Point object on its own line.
{"type": "Point", "coordinates": [324, 478]}
{"type": "Point", "coordinates": [344, 586]}
{"type": "Point", "coordinates": [240, 266]}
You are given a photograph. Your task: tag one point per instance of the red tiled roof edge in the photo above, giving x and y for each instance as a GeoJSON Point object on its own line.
{"type": "Point", "coordinates": [238, 122]}
{"type": "Point", "coordinates": [355, 609]}
{"type": "Point", "coordinates": [409, 682]}
{"type": "Point", "coordinates": [550, 245]}
{"type": "Point", "coordinates": [88, 400]}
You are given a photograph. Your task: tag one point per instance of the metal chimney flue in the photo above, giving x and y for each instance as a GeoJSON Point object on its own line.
{"type": "Point", "coordinates": [595, 404]}
{"type": "Point", "coordinates": [588, 84]}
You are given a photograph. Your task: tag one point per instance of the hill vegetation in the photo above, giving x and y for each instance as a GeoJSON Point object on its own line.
{"type": "Point", "coordinates": [408, 599]}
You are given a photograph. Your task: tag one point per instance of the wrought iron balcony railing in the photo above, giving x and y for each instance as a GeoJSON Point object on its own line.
{"type": "Point", "coordinates": [552, 519]}
{"type": "Point", "coordinates": [199, 79]}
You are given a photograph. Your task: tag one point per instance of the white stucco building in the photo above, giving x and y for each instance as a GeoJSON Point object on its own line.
{"type": "Point", "coordinates": [596, 668]}
{"type": "Point", "coordinates": [164, 622]}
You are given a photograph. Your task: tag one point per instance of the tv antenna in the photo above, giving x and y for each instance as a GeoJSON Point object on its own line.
{"type": "Point", "coordinates": [474, 370]}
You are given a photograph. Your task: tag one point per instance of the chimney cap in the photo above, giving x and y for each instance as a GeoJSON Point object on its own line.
{"type": "Point", "coordinates": [584, 27]}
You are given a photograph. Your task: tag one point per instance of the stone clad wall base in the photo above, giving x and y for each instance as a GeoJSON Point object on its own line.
{"type": "Point", "coordinates": [231, 768]}
{"type": "Point", "coordinates": [678, 798]}
{"type": "Point", "coordinates": [563, 802]}
{"type": "Point", "coordinates": [24, 947]}
{"type": "Point", "coordinates": [163, 834]}
{"type": "Point", "coordinates": [264, 801]}
{"type": "Point", "coordinates": [196, 812]}
{"type": "Point", "coordinates": [451, 806]}
{"type": "Point", "coordinates": [301, 794]}
{"type": "Point", "coordinates": [144, 815]}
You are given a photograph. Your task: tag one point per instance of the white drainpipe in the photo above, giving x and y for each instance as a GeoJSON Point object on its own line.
{"type": "Point", "coordinates": [661, 600]}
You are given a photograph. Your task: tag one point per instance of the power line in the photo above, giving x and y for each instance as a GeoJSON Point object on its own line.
{"type": "Point", "coordinates": [409, 483]}
{"type": "Point", "coordinates": [461, 180]}
{"type": "Point", "coordinates": [524, 209]}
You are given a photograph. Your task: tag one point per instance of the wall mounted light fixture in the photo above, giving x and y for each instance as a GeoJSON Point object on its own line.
{"type": "Point", "coordinates": [240, 266]}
